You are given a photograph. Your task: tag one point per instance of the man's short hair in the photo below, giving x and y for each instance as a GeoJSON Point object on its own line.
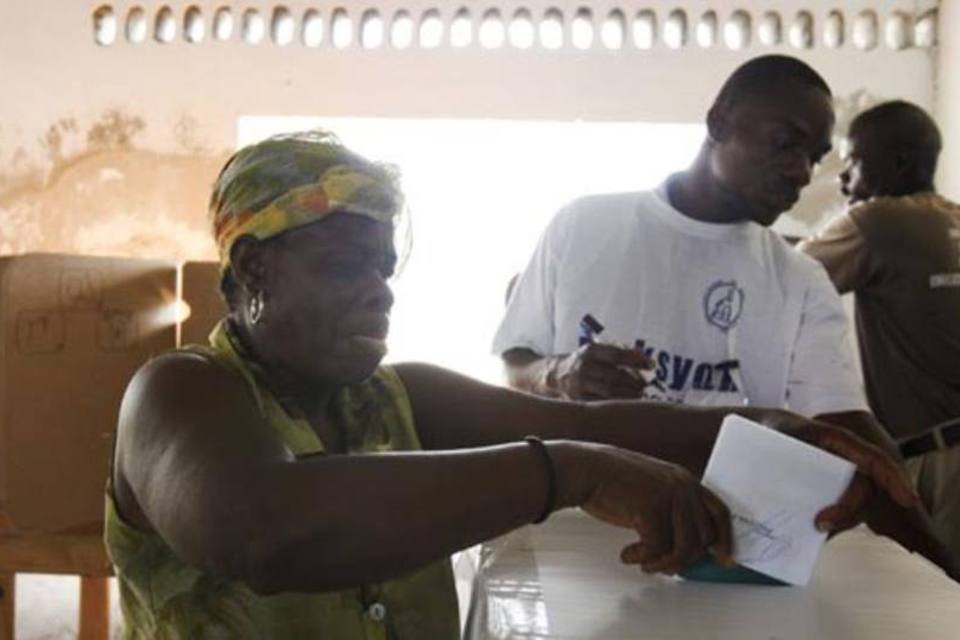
{"type": "Point", "coordinates": [906, 129]}
{"type": "Point", "coordinates": [767, 73]}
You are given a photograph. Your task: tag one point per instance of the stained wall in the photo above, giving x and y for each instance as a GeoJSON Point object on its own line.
{"type": "Point", "coordinates": [111, 147]}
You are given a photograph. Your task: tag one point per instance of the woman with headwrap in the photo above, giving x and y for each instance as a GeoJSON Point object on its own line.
{"type": "Point", "coordinates": [281, 483]}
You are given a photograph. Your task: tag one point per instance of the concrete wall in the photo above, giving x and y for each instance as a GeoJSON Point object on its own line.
{"type": "Point", "coordinates": [948, 97]}
{"type": "Point", "coordinates": [112, 149]}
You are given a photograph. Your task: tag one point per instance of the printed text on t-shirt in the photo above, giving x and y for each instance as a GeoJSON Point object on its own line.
{"type": "Point", "coordinates": [679, 373]}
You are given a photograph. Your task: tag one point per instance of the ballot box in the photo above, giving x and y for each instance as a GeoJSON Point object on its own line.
{"type": "Point", "coordinates": [203, 306]}
{"type": "Point", "coordinates": [73, 330]}
{"type": "Point", "coordinates": [564, 580]}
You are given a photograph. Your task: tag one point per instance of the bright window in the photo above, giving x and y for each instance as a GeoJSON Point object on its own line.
{"type": "Point", "coordinates": [480, 193]}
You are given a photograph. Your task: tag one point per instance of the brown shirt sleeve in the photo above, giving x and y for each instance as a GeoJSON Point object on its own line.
{"type": "Point", "coordinates": [843, 250]}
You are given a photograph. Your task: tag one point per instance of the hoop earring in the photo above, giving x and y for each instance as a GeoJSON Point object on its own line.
{"type": "Point", "coordinates": [255, 308]}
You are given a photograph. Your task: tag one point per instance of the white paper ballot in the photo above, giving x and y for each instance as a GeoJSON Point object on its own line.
{"type": "Point", "coordinates": [774, 486]}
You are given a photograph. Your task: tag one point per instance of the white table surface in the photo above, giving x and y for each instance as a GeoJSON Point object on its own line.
{"type": "Point", "coordinates": [564, 580]}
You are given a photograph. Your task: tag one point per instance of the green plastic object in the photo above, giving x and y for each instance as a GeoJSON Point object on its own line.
{"type": "Point", "coordinates": [710, 571]}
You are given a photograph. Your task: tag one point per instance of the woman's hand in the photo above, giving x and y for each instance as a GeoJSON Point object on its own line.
{"type": "Point", "coordinates": [677, 519]}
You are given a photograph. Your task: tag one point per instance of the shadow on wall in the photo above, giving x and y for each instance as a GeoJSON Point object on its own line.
{"type": "Point", "coordinates": [93, 192]}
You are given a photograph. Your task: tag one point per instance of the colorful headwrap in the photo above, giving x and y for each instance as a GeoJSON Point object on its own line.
{"type": "Point", "coordinates": [292, 180]}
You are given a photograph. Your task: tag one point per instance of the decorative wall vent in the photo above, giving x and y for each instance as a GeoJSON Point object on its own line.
{"type": "Point", "coordinates": [552, 29]}
{"type": "Point", "coordinates": [834, 30]}
{"type": "Point", "coordinates": [283, 27]}
{"type": "Point", "coordinates": [104, 26]}
{"type": "Point", "coordinates": [223, 24]}
{"type": "Point", "coordinates": [311, 29]}
{"type": "Point", "coordinates": [865, 27]}
{"type": "Point", "coordinates": [707, 29]}
{"type": "Point", "coordinates": [194, 26]}
{"type": "Point", "coordinates": [401, 30]}
{"type": "Point", "coordinates": [136, 26]}
{"type": "Point", "coordinates": [164, 26]}
{"type": "Point", "coordinates": [801, 31]}
{"type": "Point", "coordinates": [461, 29]}
{"type": "Point", "coordinates": [644, 29]}
{"type": "Point", "coordinates": [737, 31]}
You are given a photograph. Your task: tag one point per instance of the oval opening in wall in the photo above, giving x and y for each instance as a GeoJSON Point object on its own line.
{"type": "Point", "coordinates": [401, 31]}
{"type": "Point", "coordinates": [341, 28]}
{"type": "Point", "coordinates": [551, 30]}
{"type": "Point", "coordinates": [521, 32]}
{"type": "Point", "coordinates": [283, 28]}
{"type": "Point", "coordinates": [801, 31]}
{"type": "Point", "coordinates": [645, 29]}
{"type": "Point", "coordinates": [372, 30]}
{"type": "Point", "coordinates": [136, 27]}
{"type": "Point", "coordinates": [898, 31]}
{"type": "Point", "coordinates": [492, 33]}
{"type": "Point", "coordinates": [461, 29]}
{"type": "Point", "coordinates": [104, 26]}
{"type": "Point", "coordinates": [834, 30]}
{"type": "Point", "coordinates": [431, 30]}
{"type": "Point", "coordinates": [165, 26]}
{"type": "Point", "coordinates": [707, 28]}
{"type": "Point", "coordinates": [252, 27]}
{"type": "Point", "coordinates": [311, 29]}
{"type": "Point", "coordinates": [194, 30]}
{"type": "Point", "coordinates": [581, 29]}
{"type": "Point", "coordinates": [675, 29]}
{"type": "Point", "coordinates": [613, 31]}
{"type": "Point", "coordinates": [737, 30]}
{"type": "Point", "coordinates": [865, 28]}
{"type": "Point", "coordinates": [223, 24]}
{"type": "Point", "coordinates": [925, 29]}
{"type": "Point", "coordinates": [770, 29]}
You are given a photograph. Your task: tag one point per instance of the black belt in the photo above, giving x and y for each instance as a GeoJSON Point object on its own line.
{"type": "Point", "coordinates": [942, 436]}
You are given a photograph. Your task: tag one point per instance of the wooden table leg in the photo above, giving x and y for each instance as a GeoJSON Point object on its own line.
{"type": "Point", "coordinates": [94, 609]}
{"type": "Point", "coordinates": [8, 605]}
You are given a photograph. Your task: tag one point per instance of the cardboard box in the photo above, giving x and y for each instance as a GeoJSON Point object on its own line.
{"type": "Point", "coordinates": [73, 330]}
{"type": "Point", "coordinates": [200, 292]}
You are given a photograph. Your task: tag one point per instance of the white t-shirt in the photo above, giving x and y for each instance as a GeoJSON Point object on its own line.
{"type": "Point", "coordinates": [730, 313]}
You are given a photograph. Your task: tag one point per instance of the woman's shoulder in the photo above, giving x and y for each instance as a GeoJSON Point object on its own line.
{"type": "Point", "coordinates": [189, 376]}
{"type": "Point", "coordinates": [190, 360]}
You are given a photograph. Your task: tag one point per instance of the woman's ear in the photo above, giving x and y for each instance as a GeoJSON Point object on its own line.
{"type": "Point", "coordinates": [247, 261]}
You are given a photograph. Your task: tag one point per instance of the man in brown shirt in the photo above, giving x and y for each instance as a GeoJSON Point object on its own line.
{"type": "Point", "coordinates": [898, 248]}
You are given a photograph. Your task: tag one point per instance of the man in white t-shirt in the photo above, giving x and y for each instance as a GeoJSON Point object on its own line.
{"type": "Point", "coordinates": [701, 302]}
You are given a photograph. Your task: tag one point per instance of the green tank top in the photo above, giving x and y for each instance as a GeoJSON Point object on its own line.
{"type": "Point", "coordinates": [164, 598]}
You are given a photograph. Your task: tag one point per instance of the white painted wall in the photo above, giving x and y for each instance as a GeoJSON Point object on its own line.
{"type": "Point", "coordinates": [53, 69]}
{"type": "Point", "coordinates": [948, 98]}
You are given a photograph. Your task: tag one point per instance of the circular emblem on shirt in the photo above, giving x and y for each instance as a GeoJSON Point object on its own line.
{"type": "Point", "coordinates": [723, 304]}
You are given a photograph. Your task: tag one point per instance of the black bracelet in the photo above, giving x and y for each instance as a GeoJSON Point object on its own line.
{"type": "Point", "coordinates": [551, 502]}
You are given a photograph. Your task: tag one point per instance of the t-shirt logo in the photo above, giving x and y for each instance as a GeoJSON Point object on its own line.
{"type": "Point", "coordinates": [723, 304]}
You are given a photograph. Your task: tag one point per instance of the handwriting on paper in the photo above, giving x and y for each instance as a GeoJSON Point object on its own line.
{"type": "Point", "coordinates": [774, 486]}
